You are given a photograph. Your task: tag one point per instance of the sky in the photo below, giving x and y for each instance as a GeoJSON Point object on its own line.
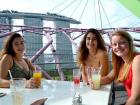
{"type": "Point", "coordinates": [113, 14]}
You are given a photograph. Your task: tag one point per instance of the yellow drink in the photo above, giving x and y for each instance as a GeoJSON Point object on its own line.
{"type": "Point", "coordinates": [96, 81]}
{"type": "Point", "coordinates": [17, 98]}
{"type": "Point", "coordinates": [37, 75]}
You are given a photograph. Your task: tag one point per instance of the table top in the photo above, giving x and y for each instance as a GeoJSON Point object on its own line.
{"type": "Point", "coordinates": [60, 93]}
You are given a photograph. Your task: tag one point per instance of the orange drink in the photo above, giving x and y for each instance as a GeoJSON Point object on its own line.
{"type": "Point", "coordinates": [37, 75]}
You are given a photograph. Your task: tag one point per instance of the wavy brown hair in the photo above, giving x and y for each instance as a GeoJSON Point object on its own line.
{"type": "Point", "coordinates": [83, 51]}
{"type": "Point", "coordinates": [8, 48]}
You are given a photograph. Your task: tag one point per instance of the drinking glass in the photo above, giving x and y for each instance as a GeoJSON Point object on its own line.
{"type": "Point", "coordinates": [96, 78]}
{"type": "Point", "coordinates": [17, 84]}
{"type": "Point", "coordinates": [76, 81]}
{"type": "Point", "coordinates": [37, 75]}
{"type": "Point", "coordinates": [17, 98]}
{"type": "Point", "coordinates": [76, 77]}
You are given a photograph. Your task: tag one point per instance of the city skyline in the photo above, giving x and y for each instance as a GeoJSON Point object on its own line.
{"type": "Point", "coordinates": [109, 9]}
{"type": "Point", "coordinates": [114, 15]}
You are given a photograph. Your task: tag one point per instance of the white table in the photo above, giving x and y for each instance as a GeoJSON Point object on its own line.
{"type": "Point", "coordinates": [61, 93]}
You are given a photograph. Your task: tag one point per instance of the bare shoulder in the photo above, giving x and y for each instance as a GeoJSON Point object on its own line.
{"type": "Point", "coordinates": [102, 53]}
{"type": "Point", "coordinates": [136, 59]}
{"type": "Point", "coordinates": [136, 63]}
{"type": "Point", "coordinates": [136, 66]}
{"type": "Point", "coordinates": [7, 57]}
{"type": "Point", "coordinates": [6, 60]}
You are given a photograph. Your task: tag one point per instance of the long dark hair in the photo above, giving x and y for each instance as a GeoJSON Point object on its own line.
{"type": "Point", "coordinates": [83, 51]}
{"type": "Point", "coordinates": [8, 48]}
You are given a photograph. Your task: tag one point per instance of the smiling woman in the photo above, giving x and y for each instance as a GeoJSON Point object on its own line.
{"type": "Point", "coordinates": [126, 66]}
{"type": "Point", "coordinates": [12, 58]}
{"type": "Point", "coordinates": [92, 53]}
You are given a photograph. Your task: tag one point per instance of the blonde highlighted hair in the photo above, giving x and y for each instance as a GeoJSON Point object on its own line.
{"type": "Point", "coordinates": [118, 62]}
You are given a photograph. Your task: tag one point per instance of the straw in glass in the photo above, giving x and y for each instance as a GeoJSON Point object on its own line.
{"type": "Point", "coordinates": [12, 79]}
{"type": "Point", "coordinates": [100, 68]}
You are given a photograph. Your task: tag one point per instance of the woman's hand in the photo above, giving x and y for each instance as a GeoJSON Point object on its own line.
{"type": "Point", "coordinates": [91, 83]}
{"type": "Point", "coordinates": [32, 83]}
{"type": "Point", "coordinates": [95, 84]}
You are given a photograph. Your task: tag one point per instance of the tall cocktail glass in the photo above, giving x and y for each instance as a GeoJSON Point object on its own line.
{"type": "Point", "coordinates": [96, 79]}
{"type": "Point", "coordinates": [37, 75]}
{"type": "Point", "coordinates": [76, 78]}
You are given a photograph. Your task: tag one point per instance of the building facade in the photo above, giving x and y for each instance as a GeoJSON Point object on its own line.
{"type": "Point", "coordinates": [34, 41]}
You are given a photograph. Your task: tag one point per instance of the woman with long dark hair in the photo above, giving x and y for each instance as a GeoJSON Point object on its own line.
{"type": "Point", "coordinates": [92, 53]}
{"type": "Point", "coordinates": [12, 58]}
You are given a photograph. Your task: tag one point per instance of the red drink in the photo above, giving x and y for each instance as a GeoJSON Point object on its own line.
{"type": "Point", "coordinates": [76, 80]}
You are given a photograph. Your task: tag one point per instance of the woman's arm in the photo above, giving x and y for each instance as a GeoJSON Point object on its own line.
{"type": "Point", "coordinates": [108, 79]}
{"type": "Point", "coordinates": [135, 91]}
{"type": "Point", "coordinates": [84, 76]}
{"type": "Point", "coordinates": [4, 83]}
{"type": "Point", "coordinates": [104, 61]}
{"type": "Point", "coordinates": [5, 65]}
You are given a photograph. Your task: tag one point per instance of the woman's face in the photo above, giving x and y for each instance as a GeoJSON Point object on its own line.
{"type": "Point", "coordinates": [91, 41]}
{"type": "Point", "coordinates": [18, 45]}
{"type": "Point", "coordinates": [120, 46]}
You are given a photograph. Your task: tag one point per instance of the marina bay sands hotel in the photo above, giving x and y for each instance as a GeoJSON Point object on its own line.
{"type": "Point", "coordinates": [34, 41]}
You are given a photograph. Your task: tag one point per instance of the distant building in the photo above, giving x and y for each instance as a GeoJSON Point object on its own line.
{"type": "Point", "coordinates": [35, 41]}
{"type": "Point", "coordinates": [5, 20]}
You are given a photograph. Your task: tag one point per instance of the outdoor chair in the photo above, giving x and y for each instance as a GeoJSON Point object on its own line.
{"type": "Point", "coordinates": [118, 94]}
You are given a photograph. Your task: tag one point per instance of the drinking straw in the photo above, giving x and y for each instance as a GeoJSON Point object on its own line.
{"type": "Point", "coordinates": [100, 68]}
{"type": "Point", "coordinates": [12, 79]}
